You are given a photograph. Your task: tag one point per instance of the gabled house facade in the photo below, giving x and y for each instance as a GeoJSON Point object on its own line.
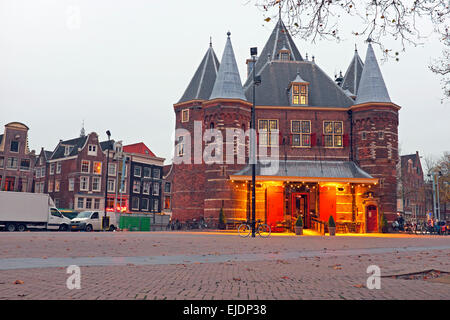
{"type": "Point", "coordinates": [76, 173]}
{"type": "Point", "coordinates": [145, 179]}
{"type": "Point", "coordinates": [412, 189]}
{"type": "Point", "coordinates": [16, 160]}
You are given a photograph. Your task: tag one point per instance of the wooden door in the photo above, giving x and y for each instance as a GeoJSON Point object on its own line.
{"type": "Point", "coordinates": [372, 218]}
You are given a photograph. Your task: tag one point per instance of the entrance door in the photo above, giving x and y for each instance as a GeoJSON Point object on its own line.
{"type": "Point", "coordinates": [300, 207]}
{"type": "Point", "coordinates": [274, 206]}
{"type": "Point", "coordinates": [371, 218]}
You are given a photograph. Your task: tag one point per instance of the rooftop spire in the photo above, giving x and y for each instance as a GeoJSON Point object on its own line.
{"type": "Point", "coordinates": [352, 76]}
{"type": "Point", "coordinates": [371, 86]}
{"type": "Point", "coordinates": [228, 83]}
{"type": "Point", "coordinates": [202, 82]}
{"type": "Point", "coordinates": [82, 131]}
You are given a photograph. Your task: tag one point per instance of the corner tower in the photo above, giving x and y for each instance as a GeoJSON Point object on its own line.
{"type": "Point", "coordinates": [226, 110]}
{"type": "Point", "coordinates": [188, 179]}
{"type": "Point", "coordinates": [375, 131]}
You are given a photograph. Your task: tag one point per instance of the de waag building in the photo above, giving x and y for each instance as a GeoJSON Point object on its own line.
{"type": "Point", "coordinates": [338, 141]}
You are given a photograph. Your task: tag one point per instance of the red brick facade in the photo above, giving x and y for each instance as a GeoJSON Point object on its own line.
{"type": "Point", "coordinates": [16, 160]}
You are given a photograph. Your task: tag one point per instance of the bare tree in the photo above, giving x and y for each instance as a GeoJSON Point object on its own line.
{"type": "Point", "coordinates": [430, 164]}
{"type": "Point", "coordinates": [313, 19]}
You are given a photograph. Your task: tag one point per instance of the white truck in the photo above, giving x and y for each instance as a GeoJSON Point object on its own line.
{"type": "Point", "coordinates": [22, 210]}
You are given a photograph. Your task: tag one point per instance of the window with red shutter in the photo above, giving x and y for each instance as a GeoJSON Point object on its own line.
{"type": "Point", "coordinates": [346, 140]}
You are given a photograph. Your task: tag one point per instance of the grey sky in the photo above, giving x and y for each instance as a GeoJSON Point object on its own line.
{"type": "Point", "coordinates": [123, 64]}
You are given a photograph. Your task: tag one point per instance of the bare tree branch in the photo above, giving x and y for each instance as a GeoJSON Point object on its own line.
{"type": "Point", "coordinates": [320, 19]}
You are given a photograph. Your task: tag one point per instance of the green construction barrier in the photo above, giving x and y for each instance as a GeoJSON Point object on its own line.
{"type": "Point", "coordinates": [134, 223]}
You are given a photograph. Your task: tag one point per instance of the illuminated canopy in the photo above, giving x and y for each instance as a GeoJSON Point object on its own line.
{"type": "Point", "coordinates": [308, 171]}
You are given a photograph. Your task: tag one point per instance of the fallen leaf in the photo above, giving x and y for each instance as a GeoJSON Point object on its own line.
{"type": "Point", "coordinates": [18, 282]}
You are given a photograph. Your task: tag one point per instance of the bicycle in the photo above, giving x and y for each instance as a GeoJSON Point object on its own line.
{"type": "Point", "coordinates": [262, 229]}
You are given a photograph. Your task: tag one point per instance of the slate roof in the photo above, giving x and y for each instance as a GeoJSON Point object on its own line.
{"type": "Point", "coordinates": [277, 75]}
{"type": "Point", "coordinates": [202, 82]}
{"type": "Point", "coordinates": [279, 39]}
{"type": "Point", "coordinates": [47, 156]}
{"type": "Point", "coordinates": [371, 86]}
{"type": "Point", "coordinates": [228, 83]}
{"type": "Point", "coordinates": [105, 145]}
{"type": "Point", "coordinates": [79, 142]}
{"type": "Point", "coordinates": [353, 74]}
{"type": "Point", "coordinates": [311, 169]}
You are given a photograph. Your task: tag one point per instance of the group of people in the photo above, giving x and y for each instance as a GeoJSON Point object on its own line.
{"type": "Point", "coordinates": [431, 226]}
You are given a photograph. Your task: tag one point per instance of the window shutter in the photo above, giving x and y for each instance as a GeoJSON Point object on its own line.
{"type": "Point", "coordinates": [345, 140]}
{"type": "Point", "coordinates": [323, 140]}
{"type": "Point", "coordinates": [313, 140]}
{"type": "Point", "coordinates": [291, 139]}
{"type": "Point", "coordinates": [280, 138]}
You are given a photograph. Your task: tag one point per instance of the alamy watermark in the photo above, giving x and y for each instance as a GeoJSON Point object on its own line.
{"type": "Point", "coordinates": [74, 280]}
{"type": "Point", "coordinates": [374, 280]}
{"type": "Point", "coordinates": [210, 146]}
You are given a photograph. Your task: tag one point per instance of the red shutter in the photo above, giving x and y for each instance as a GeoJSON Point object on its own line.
{"type": "Point", "coordinates": [323, 140]}
{"type": "Point", "coordinates": [280, 138]}
{"type": "Point", "coordinates": [345, 140]}
{"type": "Point", "coordinates": [313, 140]}
{"type": "Point", "coordinates": [291, 139]}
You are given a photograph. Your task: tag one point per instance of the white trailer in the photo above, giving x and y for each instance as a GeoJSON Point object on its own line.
{"type": "Point", "coordinates": [22, 210]}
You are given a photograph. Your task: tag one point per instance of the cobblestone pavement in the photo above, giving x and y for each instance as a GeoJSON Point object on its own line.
{"type": "Point", "coordinates": [327, 268]}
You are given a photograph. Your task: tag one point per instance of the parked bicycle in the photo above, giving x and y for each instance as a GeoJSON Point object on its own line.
{"type": "Point", "coordinates": [262, 229]}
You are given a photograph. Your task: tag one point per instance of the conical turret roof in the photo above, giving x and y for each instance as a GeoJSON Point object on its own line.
{"type": "Point", "coordinates": [202, 82]}
{"type": "Point", "coordinates": [371, 86]}
{"type": "Point", "coordinates": [279, 39]}
{"type": "Point", "coordinates": [353, 74]}
{"type": "Point", "coordinates": [228, 83]}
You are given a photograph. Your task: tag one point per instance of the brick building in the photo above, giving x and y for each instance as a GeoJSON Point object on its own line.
{"type": "Point", "coordinates": [40, 171]}
{"type": "Point", "coordinates": [411, 188]}
{"type": "Point", "coordinates": [145, 179]}
{"type": "Point", "coordinates": [16, 160]}
{"type": "Point", "coordinates": [75, 173]}
{"type": "Point", "coordinates": [336, 139]}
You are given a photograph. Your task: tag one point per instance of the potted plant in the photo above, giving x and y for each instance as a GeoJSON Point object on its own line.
{"type": "Point", "coordinates": [299, 226]}
{"type": "Point", "coordinates": [222, 220]}
{"type": "Point", "coordinates": [331, 226]}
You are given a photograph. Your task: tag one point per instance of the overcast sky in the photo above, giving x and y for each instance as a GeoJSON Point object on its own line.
{"type": "Point", "coordinates": [121, 65]}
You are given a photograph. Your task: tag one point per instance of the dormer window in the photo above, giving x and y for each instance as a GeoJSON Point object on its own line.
{"type": "Point", "coordinates": [284, 54]}
{"type": "Point", "coordinates": [67, 150]}
{"type": "Point", "coordinates": [300, 94]}
{"type": "Point", "coordinates": [299, 91]}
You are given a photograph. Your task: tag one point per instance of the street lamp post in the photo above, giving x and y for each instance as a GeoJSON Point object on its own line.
{"type": "Point", "coordinates": [256, 81]}
{"type": "Point", "coordinates": [108, 133]}
{"type": "Point", "coordinates": [437, 196]}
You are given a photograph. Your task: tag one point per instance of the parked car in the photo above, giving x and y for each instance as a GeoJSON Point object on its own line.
{"type": "Point", "coordinates": [20, 211]}
{"type": "Point", "coordinates": [68, 213]}
{"type": "Point", "coordinates": [92, 221]}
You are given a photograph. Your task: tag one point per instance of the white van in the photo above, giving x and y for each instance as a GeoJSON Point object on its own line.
{"type": "Point", "coordinates": [92, 221]}
{"type": "Point", "coordinates": [20, 211]}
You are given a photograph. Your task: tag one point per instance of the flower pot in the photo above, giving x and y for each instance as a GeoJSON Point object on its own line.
{"type": "Point", "coordinates": [298, 231]}
{"type": "Point", "coordinates": [332, 231]}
